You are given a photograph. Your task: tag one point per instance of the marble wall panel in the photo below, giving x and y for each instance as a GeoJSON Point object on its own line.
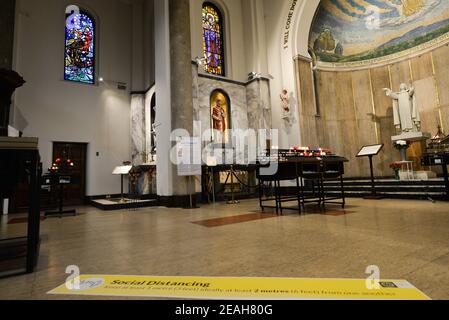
{"type": "Point", "coordinates": [441, 63]}
{"type": "Point", "coordinates": [259, 105]}
{"type": "Point", "coordinates": [400, 72]}
{"type": "Point", "coordinates": [311, 134]}
{"type": "Point", "coordinates": [364, 110]}
{"type": "Point", "coordinates": [380, 79]}
{"type": "Point", "coordinates": [427, 102]}
{"type": "Point", "coordinates": [422, 67]}
{"type": "Point", "coordinates": [138, 129]}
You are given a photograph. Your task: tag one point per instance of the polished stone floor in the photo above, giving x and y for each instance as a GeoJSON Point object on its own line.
{"type": "Point", "coordinates": [405, 239]}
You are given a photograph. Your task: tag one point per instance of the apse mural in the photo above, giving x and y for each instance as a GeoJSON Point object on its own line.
{"type": "Point", "coordinates": [80, 49]}
{"type": "Point", "coordinates": [359, 30]}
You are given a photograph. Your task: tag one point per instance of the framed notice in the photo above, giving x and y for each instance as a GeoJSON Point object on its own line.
{"type": "Point", "coordinates": [189, 157]}
{"type": "Point", "coordinates": [370, 151]}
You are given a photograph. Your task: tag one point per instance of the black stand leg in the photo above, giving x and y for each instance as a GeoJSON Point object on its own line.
{"type": "Point", "coordinates": [374, 195]}
{"type": "Point", "coordinates": [261, 195]}
{"type": "Point", "coordinates": [323, 192]}
{"type": "Point", "coordinates": [298, 194]}
{"type": "Point", "coordinates": [278, 197]}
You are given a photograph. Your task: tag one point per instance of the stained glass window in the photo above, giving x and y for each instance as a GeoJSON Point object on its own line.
{"type": "Point", "coordinates": [80, 48]}
{"type": "Point", "coordinates": [213, 44]}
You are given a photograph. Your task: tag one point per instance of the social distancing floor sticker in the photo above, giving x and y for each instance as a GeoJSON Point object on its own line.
{"type": "Point", "coordinates": [238, 288]}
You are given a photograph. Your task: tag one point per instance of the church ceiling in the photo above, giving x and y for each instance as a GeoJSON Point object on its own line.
{"type": "Point", "coordinates": [350, 31]}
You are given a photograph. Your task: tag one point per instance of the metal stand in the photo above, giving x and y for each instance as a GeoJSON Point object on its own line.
{"type": "Point", "coordinates": [213, 186]}
{"type": "Point", "coordinates": [189, 184]}
{"type": "Point", "coordinates": [233, 201]}
{"type": "Point", "coordinates": [122, 198]}
{"type": "Point", "coordinates": [374, 195]}
{"type": "Point", "coordinates": [61, 210]}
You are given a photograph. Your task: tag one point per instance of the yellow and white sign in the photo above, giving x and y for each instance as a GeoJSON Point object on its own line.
{"type": "Point", "coordinates": [239, 288]}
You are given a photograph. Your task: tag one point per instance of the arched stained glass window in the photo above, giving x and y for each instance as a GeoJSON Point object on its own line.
{"type": "Point", "coordinates": [213, 44]}
{"type": "Point", "coordinates": [80, 48]}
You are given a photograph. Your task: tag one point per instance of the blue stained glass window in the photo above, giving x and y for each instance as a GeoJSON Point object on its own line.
{"type": "Point", "coordinates": [213, 44]}
{"type": "Point", "coordinates": [80, 48]}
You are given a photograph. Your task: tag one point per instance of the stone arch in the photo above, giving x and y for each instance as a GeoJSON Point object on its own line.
{"type": "Point", "coordinates": [303, 21]}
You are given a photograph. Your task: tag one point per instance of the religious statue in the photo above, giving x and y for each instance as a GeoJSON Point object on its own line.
{"type": "Point", "coordinates": [219, 117]}
{"type": "Point", "coordinates": [285, 104]}
{"type": "Point", "coordinates": [9, 82]}
{"type": "Point", "coordinates": [405, 109]}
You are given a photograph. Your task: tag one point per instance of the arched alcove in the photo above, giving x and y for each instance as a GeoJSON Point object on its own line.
{"type": "Point", "coordinates": [220, 112]}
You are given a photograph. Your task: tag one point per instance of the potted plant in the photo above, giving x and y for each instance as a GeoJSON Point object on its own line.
{"type": "Point", "coordinates": [396, 167]}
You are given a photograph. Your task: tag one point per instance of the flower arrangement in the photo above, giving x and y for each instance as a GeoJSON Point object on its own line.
{"type": "Point", "coordinates": [396, 167]}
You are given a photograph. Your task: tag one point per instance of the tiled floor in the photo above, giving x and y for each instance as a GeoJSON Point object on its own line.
{"type": "Point", "coordinates": [406, 239]}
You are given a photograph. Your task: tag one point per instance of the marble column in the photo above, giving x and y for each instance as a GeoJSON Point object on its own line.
{"type": "Point", "coordinates": [138, 134]}
{"type": "Point", "coordinates": [181, 77]}
{"type": "Point", "coordinates": [174, 93]}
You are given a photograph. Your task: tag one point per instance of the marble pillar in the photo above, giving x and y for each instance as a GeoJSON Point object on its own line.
{"type": "Point", "coordinates": [174, 106]}
{"type": "Point", "coordinates": [138, 130]}
{"type": "Point", "coordinates": [180, 79]}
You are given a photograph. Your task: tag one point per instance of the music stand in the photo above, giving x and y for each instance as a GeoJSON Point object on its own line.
{"type": "Point", "coordinates": [371, 151]}
{"type": "Point", "coordinates": [122, 171]}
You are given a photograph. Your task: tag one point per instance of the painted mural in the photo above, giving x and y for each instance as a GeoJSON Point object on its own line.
{"type": "Point", "coordinates": [346, 31]}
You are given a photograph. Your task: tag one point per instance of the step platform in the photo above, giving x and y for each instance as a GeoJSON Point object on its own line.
{"type": "Point", "coordinates": [118, 204]}
{"type": "Point", "coordinates": [431, 189]}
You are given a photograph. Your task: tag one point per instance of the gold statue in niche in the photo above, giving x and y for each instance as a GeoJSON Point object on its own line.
{"type": "Point", "coordinates": [220, 113]}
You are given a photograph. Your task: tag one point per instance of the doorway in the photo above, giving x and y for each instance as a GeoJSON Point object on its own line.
{"type": "Point", "coordinates": [75, 193]}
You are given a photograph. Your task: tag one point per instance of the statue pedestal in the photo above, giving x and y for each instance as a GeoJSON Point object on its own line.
{"type": "Point", "coordinates": [417, 175]}
{"type": "Point", "coordinates": [411, 137]}
{"type": "Point", "coordinates": [413, 154]}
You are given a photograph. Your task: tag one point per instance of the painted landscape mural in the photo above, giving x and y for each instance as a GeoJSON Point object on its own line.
{"type": "Point", "coordinates": [358, 30]}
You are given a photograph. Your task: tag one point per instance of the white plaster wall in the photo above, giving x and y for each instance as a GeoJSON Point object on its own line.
{"type": "Point", "coordinates": [280, 58]}
{"type": "Point", "coordinates": [255, 37]}
{"type": "Point", "coordinates": [143, 45]}
{"type": "Point", "coordinates": [57, 110]}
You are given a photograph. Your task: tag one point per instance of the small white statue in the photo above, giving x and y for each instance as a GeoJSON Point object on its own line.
{"type": "Point", "coordinates": [285, 104]}
{"type": "Point", "coordinates": [405, 109]}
